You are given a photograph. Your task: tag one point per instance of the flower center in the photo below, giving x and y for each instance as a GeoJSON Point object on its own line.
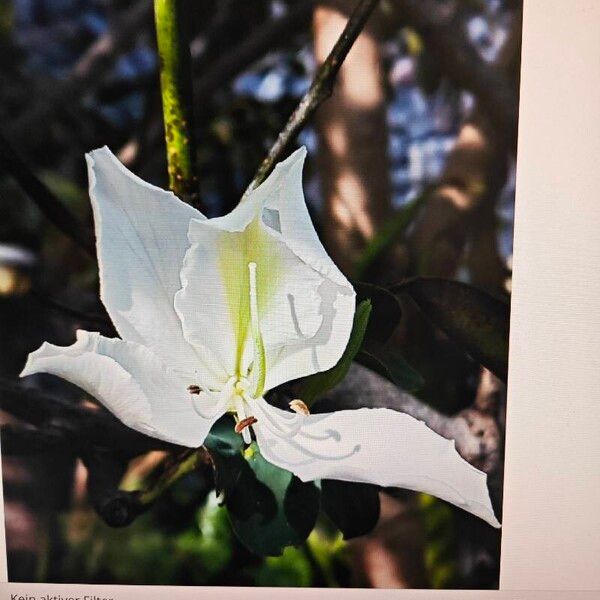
{"type": "Point", "coordinates": [241, 406]}
{"type": "Point", "coordinates": [241, 386]}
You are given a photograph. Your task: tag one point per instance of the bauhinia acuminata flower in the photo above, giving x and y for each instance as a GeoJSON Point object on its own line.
{"type": "Point", "coordinates": [214, 313]}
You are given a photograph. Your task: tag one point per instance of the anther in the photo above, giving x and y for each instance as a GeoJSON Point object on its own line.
{"type": "Point", "coordinates": [299, 407]}
{"type": "Point", "coordinates": [194, 389]}
{"type": "Point", "coordinates": [244, 423]}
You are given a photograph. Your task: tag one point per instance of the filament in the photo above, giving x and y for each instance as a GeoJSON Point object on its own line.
{"type": "Point", "coordinates": [259, 364]}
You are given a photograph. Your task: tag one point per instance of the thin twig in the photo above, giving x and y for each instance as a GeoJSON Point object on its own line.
{"type": "Point", "coordinates": [187, 462]}
{"type": "Point", "coordinates": [320, 90]}
{"type": "Point", "coordinates": [267, 36]}
{"type": "Point", "coordinates": [52, 208]}
{"type": "Point", "coordinates": [72, 426]}
{"type": "Point", "coordinates": [57, 306]}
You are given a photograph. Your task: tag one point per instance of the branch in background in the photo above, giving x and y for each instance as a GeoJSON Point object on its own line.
{"type": "Point", "coordinates": [50, 206]}
{"type": "Point", "coordinates": [261, 40]}
{"type": "Point", "coordinates": [477, 435]}
{"type": "Point", "coordinates": [55, 305]}
{"type": "Point", "coordinates": [474, 173]}
{"type": "Point", "coordinates": [352, 158]}
{"type": "Point", "coordinates": [320, 90]}
{"type": "Point", "coordinates": [90, 69]}
{"type": "Point", "coordinates": [104, 444]}
{"type": "Point", "coordinates": [447, 40]}
{"type": "Point", "coordinates": [187, 462]}
{"type": "Point", "coordinates": [70, 426]}
{"type": "Point", "coordinates": [60, 426]}
{"type": "Point", "coordinates": [176, 89]}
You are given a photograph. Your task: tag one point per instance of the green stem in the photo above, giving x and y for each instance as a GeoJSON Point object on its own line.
{"type": "Point", "coordinates": [176, 89]}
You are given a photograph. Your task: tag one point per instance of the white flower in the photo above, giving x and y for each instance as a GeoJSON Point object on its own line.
{"type": "Point", "coordinates": [234, 306]}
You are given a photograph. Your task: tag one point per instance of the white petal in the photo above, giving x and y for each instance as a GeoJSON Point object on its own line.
{"type": "Point", "coordinates": [141, 235]}
{"type": "Point", "coordinates": [285, 211]}
{"type": "Point", "coordinates": [373, 445]}
{"type": "Point", "coordinates": [306, 305]}
{"type": "Point", "coordinates": [131, 382]}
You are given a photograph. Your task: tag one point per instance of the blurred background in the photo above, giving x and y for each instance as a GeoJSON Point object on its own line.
{"type": "Point", "coordinates": [410, 172]}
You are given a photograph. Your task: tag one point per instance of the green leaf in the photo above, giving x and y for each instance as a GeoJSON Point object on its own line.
{"type": "Point", "coordinates": [353, 507]}
{"type": "Point", "coordinates": [269, 508]}
{"type": "Point", "coordinates": [391, 365]}
{"type": "Point", "coordinates": [473, 319]}
{"type": "Point", "coordinates": [222, 438]}
{"type": "Point", "coordinates": [390, 232]}
{"type": "Point", "coordinates": [314, 386]}
{"type": "Point", "coordinates": [385, 314]}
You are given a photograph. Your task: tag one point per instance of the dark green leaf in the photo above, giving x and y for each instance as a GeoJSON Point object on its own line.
{"type": "Point", "coordinates": [385, 313]}
{"type": "Point", "coordinates": [390, 232]}
{"type": "Point", "coordinates": [353, 507]}
{"type": "Point", "coordinates": [269, 507]}
{"type": "Point", "coordinates": [244, 495]}
{"type": "Point", "coordinates": [315, 385]}
{"type": "Point", "coordinates": [476, 321]}
{"type": "Point", "coordinates": [391, 365]}
{"type": "Point", "coordinates": [222, 438]}
{"type": "Point", "coordinates": [301, 506]}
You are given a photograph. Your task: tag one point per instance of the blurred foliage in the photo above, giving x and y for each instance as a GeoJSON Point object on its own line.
{"type": "Point", "coordinates": [203, 551]}
{"type": "Point", "coordinates": [440, 550]}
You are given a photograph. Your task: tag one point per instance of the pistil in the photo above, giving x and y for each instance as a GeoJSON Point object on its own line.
{"type": "Point", "coordinates": [259, 363]}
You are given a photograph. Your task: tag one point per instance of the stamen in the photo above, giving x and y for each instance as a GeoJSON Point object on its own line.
{"type": "Point", "coordinates": [247, 422]}
{"type": "Point", "coordinates": [194, 389]}
{"type": "Point", "coordinates": [276, 427]}
{"type": "Point", "coordinates": [220, 401]}
{"type": "Point", "coordinates": [299, 407]}
{"type": "Point", "coordinates": [259, 364]}
{"type": "Point", "coordinates": [241, 415]}
{"type": "Point", "coordinates": [297, 437]}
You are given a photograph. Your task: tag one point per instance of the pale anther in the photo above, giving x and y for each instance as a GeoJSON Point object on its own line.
{"type": "Point", "coordinates": [299, 407]}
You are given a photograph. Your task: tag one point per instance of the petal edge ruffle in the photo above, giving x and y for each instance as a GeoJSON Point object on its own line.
{"type": "Point", "coordinates": [378, 446]}
{"type": "Point", "coordinates": [131, 382]}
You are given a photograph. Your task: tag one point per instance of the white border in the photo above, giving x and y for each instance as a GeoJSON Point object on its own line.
{"type": "Point", "coordinates": [551, 533]}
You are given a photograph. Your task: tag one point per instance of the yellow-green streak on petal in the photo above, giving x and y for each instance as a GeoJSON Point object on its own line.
{"type": "Point", "coordinates": [236, 251]}
{"type": "Point", "coordinates": [260, 359]}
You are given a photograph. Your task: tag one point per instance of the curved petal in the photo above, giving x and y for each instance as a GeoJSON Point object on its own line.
{"type": "Point", "coordinates": [306, 306]}
{"type": "Point", "coordinates": [285, 211]}
{"type": "Point", "coordinates": [372, 445]}
{"type": "Point", "coordinates": [141, 234]}
{"type": "Point", "coordinates": [134, 384]}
